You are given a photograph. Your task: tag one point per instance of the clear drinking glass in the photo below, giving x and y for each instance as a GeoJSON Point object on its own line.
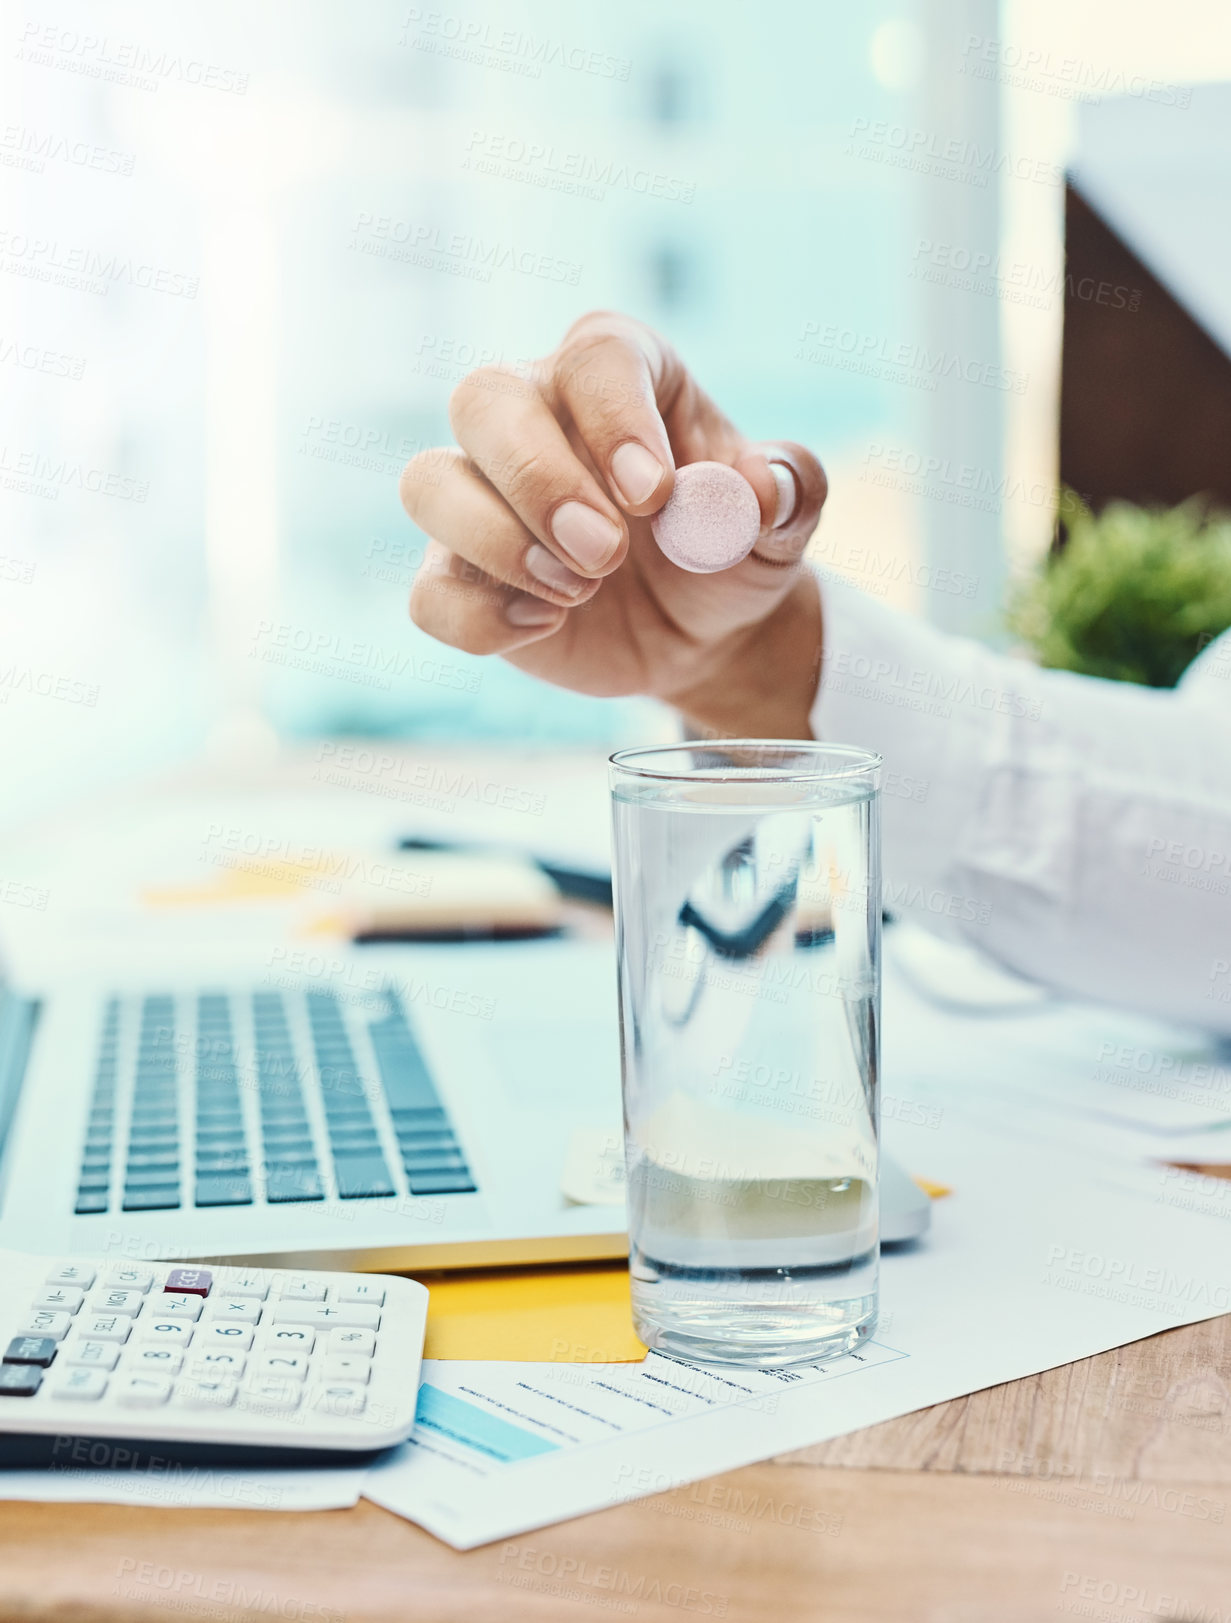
{"type": "Point", "coordinates": [748, 911]}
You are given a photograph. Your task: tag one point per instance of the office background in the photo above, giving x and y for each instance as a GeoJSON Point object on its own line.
{"type": "Point", "coordinates": [247, 252]}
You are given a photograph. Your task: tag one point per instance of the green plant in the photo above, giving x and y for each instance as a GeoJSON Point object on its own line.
{"type": "Point", "coordinates": [1133, 595]}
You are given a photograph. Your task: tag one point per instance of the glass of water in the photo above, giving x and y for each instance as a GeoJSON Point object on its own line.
{"type": "Point", "coordinates": [748, 911]}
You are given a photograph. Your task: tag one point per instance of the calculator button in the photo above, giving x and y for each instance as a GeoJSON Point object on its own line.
{"type": "Point", "coordinates": [178, 1331]}
{"type": "Point", "coordinates": [325, 1318]}
{"type": "Point", "coordinates": [211, 1336]}
{"type": "Point", "coordinates": [46, 1323]}
{"type": "Point", "coordinates": [300, 1290]}
{"type": "Point", "coordinates": [129, 1303]}
{"type": "Point", "coordinates": [81, 1385]}
{"type": "Point", "coordinates": [178, 1307]}
{"type": "Point", "coordinates": [20, 1380]}
{"type": "Point", "coordinates": [206, 1394]}
{"type": "Point", "coordinates": [190, 1281]}
{"type": "Point", "coordinates": [73, 1273]}
{"type": "Point", "coordinates": [342, 1342]}
{"type": "Point", "coordinates": [360, 1292]}
{"type": "Point", "coordinates": [270, 1392]}
{"type": "Point", "coordinates": [224, 1365]}
{"type": "Point", "coordinates": [288, 1338]}
{"type": "Point", "coordinates": [105, 1327]}
{"type": "Point", "coordinates": [252, 1286]}
{"type": "Point", "coordinates": [92, 1354]}
{"type": "Point", "coordinates": [234, 1309]}
{"type": "Point", "coordinates": [128, 1278]}
{"type": "Point", "coordinates": [353, 1369]}
{"type": "Point", "coordinates": [59, 1299]}
{"type": "Point", "coordinates": [285, 1366]}
{"type": "Point", "coordinates": [31, 1350]}
{"type": "Point", "coordinates": [153, 1359]}
{"type": "Point", "coordinates": [141, 1391]}
{"type": "Point", "coordinates": [340, 1398]}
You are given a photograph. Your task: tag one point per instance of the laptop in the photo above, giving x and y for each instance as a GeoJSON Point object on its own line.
{"type": "Point", "coordinates": [406, 1108]}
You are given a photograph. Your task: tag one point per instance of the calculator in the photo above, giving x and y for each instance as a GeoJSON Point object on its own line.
{"type": "Point", "coordinates": [157, 1352]}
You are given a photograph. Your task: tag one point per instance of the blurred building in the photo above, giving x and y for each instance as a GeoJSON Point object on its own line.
{"type": "Point", "coordinates": [1146, 377]}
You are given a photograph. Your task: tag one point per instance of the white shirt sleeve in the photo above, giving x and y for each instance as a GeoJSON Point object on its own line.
{"type": "Point", "coordinates": [1078, 830]}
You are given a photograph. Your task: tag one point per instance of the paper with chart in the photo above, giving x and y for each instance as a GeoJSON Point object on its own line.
{"type": "Point", "coordinates": [1056, 1245]}
{"type": "Point", "coordinates": [599, 1433]}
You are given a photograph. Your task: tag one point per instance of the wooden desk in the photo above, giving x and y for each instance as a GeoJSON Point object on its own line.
{"type": "Point", "coordinates": [1098, 1490]}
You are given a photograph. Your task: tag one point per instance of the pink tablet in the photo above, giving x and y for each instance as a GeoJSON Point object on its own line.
{"type": "Point", "coordinates": [711, 521]}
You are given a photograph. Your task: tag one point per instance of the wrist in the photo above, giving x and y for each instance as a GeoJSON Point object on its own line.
{"type": "Point", "coordinates": [762, 681]}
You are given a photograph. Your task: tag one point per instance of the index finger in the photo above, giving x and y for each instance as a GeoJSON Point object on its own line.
{"type": "Point", "coordinates": [616, 380]}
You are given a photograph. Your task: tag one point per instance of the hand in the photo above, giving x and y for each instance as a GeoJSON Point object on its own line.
{"type": "Point", "coordinates": [541, 547]}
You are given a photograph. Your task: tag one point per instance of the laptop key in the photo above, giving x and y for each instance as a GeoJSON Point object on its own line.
{"type": "Point", "coordinates": [152, 1200]}
{"type": "Point", "coordinates": [300, 1138]}
{"type": "Point", "coordinates": [291, 1158]}
{"type": "Point", "coordinates": [213, 1190]}
{"type": "Point", "coordinates": [422, 1121]}
{"type": "Point", "coordinates": [361, 1176]}
{"type": "Point", "coordinates": [420, 1171]}
{"type": "Point", "coordinates": [230, 1150]}
{"type": "Point", "coordinates": [91, 1201]}
{"type": "Point", "coordinates": [237, 1172]}
{"type": "Point", "coordinates": [441, 1183]}
{"type": "Point", "coordinates": [292, 1183]}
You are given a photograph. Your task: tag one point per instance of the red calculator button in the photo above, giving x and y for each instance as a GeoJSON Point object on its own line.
{"type": "Point", "coordinates": [189, 1281]}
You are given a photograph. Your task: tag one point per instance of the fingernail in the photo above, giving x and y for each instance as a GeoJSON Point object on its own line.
{"type": "Point", "coordinates": [546, 567]}
{"type": "Point", "coordinates": [788, 495]}
{"type": "Point", "coordinates": [529, 611]}
{"type": "Point", "coordinates": [587, 537]}
{"type": "Point", "coordinates": [637, 474]}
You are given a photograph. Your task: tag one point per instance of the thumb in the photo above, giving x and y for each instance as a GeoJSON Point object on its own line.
{"type": "Point", "coordinates": [791, 488]}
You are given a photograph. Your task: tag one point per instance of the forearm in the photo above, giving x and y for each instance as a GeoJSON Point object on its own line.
{"type": "Point", "coordinates": [1078, 830]}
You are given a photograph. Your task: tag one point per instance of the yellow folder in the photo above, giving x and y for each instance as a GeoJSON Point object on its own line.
{"type": "Point", "coordinates": [562, 1316]}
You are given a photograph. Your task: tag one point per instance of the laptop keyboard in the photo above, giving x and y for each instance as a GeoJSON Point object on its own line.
{"type": "Point", "coordinates": [94, 1179]}
{"type": "Point", "coordinates": [214, 1121]}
